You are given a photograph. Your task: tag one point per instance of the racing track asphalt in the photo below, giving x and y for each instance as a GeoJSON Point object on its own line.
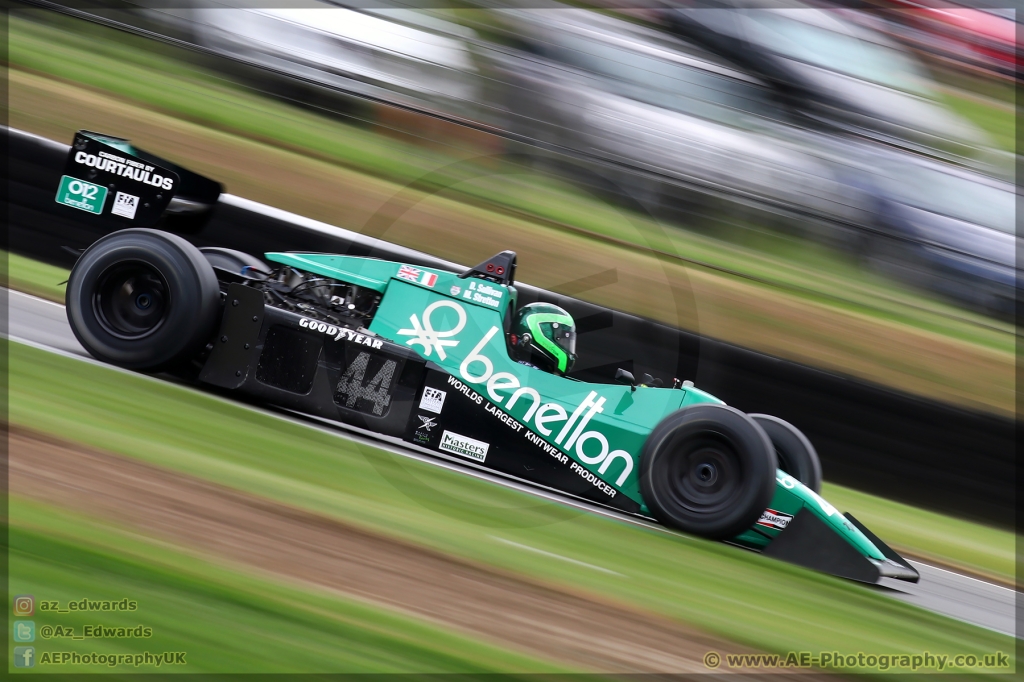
{"type": "Point", "coordinates": [43, 324]}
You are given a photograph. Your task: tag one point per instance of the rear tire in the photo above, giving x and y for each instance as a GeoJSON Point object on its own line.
{"type": "Point", "coordinates": [142, 299]}
{"type": "Point", "coordinates": [237, 262]}
{"type": "Point", "coordinates": [797, 457]}
{"type": "Point", "coordinates": [708, 470]}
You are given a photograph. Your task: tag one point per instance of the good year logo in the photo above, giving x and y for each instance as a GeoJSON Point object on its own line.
{"type": "Point", "coordinates": [339, 333]}
{"type": "Point", "coordinates": [590, 446]}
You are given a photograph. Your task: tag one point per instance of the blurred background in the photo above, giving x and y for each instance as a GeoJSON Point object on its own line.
{"type": "Point", "coordinates": [834, 186]}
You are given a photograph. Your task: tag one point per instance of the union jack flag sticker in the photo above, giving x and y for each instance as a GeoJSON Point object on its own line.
{"type": "Point", "coordinates": [410, 273]}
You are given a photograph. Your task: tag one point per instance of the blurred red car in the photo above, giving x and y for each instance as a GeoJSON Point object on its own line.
{"type": "Point", "coordinates": [976, 39]}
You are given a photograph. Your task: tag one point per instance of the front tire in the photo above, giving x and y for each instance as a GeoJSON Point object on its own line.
{"type": "Point", "coordinates": [142, 299]}
{"type": "Point", "coordinates": [708, 470]}
{"type": "Point", "coordinates": [797, 457]}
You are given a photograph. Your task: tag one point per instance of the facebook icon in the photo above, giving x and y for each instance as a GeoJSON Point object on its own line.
{"type": "Point", "coordinates": [24, 656]}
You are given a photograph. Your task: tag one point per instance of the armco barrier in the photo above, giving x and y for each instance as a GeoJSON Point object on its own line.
{"type": "Point", "coordinates": [871, 438]}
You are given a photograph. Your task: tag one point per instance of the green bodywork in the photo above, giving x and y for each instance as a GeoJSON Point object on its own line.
{"type": "Point", "coordinates": [115, 142]}
{"type": "Point", "coordinates": [458, 324]}
{"type": "Point", "coordinates": [365, 272]}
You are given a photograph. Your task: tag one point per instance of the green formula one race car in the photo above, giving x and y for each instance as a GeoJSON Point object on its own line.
{"type": "Point", "coordinates": [449, 363]}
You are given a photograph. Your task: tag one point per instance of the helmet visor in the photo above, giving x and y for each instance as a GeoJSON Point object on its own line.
{"type": "Point", "coordinates": [556, 334]}
{"type": "Point", "coordinates": [565, 337]}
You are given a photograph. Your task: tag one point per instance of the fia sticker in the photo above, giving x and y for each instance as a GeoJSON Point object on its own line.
{"type": "Point", "coordinates": [432, 400]}
{"type": "Point", "coordinates": [125, 205]}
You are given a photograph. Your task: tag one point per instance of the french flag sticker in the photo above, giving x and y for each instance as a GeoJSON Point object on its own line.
{"type": "Point", "coordinates": [428, 279]}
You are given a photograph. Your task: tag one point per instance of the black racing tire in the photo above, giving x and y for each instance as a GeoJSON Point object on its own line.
{"type": "Point", "coordinates": [708, 470]}
{"type": "Point", "coordinates": [238, 262]}
{"type": "Point", "coordinates": [143, 299]}
{"type": "Point", "coordinates": [797, 457]}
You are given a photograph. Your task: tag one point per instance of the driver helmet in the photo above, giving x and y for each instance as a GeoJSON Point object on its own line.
{"type": "Point", "coordinates": [544, 335]}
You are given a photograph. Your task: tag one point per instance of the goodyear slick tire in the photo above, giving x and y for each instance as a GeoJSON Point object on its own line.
{"type": "Point", "coordinates": [708, 470]}
{"type": "Point", "coordinates": [142, 299]}
{"type": "Point", "coordinates": [797, 457]}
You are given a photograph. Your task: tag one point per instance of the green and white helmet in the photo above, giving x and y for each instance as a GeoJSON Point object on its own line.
{"type": "Point", "coordinates": [544, 335]}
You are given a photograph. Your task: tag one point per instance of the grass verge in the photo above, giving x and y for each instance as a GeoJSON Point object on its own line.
{"type": "Point", "coordinates": [224, 620]}
{"type": "Point", "coordinates": [995, 117]}
{"type": "Point", "coordinates": [33, 277]}
{"type": "Point", "coordinates": [730, 593]}
{"type": "Point", "coordinates": [962, 545]}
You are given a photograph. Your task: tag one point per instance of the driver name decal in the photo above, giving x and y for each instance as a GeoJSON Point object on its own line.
{"type": "Point", "coordinates": [481, 292]}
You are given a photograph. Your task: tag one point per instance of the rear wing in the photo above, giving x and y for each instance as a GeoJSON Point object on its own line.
{"type": "Point", "coordinates": [109, 177]}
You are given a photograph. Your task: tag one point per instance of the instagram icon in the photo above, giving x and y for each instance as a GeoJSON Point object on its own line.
{"type": "Point", "coordinates": [24, 605]}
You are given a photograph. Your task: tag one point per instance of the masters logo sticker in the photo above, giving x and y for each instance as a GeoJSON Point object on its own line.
{"type": "Point", "coordinates": [464, 446]}
{"type": "Point", "coordinates": [81, 194]}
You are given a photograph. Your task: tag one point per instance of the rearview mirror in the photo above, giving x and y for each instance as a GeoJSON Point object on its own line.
{"type": "Point", "coordinates": [624, 377]}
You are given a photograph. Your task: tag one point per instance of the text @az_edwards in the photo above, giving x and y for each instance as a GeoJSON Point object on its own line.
{"type": "Point", "coordinates": [95, 631]}
{"type": "Point", "coordinates": [837, 660]}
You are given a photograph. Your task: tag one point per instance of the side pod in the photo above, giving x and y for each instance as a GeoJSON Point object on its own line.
{"type": "Point", "coordinates": [240, 326]}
